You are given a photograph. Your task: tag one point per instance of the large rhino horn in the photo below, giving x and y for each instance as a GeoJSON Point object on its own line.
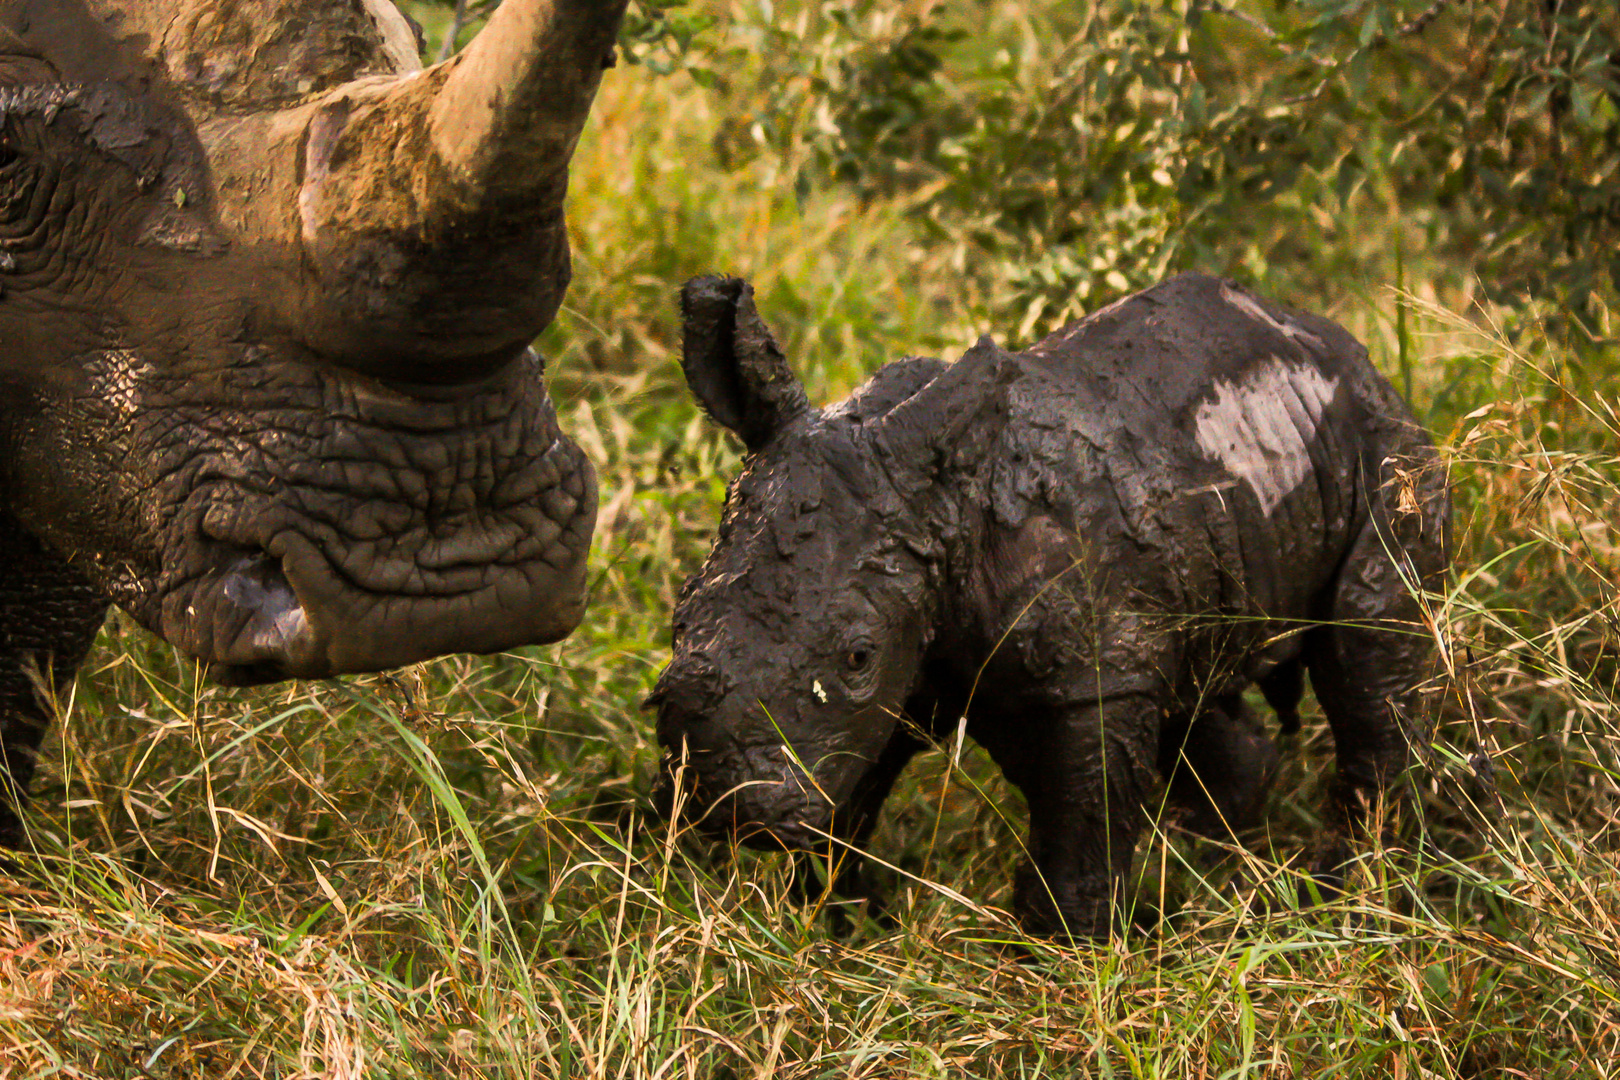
{"type": "Point", "coordinates": [435, 200]}
{"type": "Point", "coordinates": [410, 220]}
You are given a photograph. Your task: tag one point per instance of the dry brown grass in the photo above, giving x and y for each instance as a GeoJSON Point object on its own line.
{"type": "Point", "coordinates": [452, 872]}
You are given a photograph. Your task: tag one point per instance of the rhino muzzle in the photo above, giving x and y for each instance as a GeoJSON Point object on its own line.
{"type": "Point", "coordinates": [787, 813]}
{"type": "Point", "coordinates": [263, 616]}
{"type": "Point", "coordinates": [366, 529]}
{"type": "Point", "coordinates": [761, 794]}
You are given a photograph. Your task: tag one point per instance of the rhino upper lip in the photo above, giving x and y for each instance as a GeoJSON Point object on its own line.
{"type": "Point", "coordinates": [772, 823]}
{"type": "Point", "coordinates": [264, 625]}
{"type": "Point", "coordinates": [785, 830]}
{"type": "Point", "coordinates": [420, 563]}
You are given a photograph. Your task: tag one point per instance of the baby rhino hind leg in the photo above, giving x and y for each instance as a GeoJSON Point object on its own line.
{"type": "Point", "coordinates": [1369, 663]}
{"type": "Point", "coordinates": [1219, 765]}
{"type": "Point", "coordinates": [1284, 687]}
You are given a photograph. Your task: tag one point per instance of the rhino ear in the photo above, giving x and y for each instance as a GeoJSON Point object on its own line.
{"type": "Point", "coordinates": [733, 364]}
{"type": "Point", "coordinates": [958, 410]}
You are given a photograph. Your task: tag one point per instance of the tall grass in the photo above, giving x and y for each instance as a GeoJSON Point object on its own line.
{"type": "Point", "coordinates": [453, 871]}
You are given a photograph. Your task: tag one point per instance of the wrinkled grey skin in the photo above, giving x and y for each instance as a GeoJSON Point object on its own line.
{"type": "Point", "coordinates": [267, 289]}
{"type": "Point", "coordinates": [1088, 549]}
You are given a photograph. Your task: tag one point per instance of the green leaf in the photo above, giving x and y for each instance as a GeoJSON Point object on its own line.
{"type": "Point", "coordinates": [1370, 24]}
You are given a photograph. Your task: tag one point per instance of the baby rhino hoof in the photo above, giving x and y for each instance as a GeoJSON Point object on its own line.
{"type": "Point", "coordinates": [1047, 908]}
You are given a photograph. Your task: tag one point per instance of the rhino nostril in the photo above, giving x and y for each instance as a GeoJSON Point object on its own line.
{"type": "Point", "coordinates": [261, 628]}
{"type": "Point", "coordinates": [676, 723]}
{"type": "Point", "coordinates": [689, 691]}
{"type": "Point", "coordinates": [259, 588]}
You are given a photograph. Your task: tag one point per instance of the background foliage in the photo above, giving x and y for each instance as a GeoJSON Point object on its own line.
{"type": "Point", "coordinates": [1080, 150]}
{"type": "Point", "coordinates": [451, 871]}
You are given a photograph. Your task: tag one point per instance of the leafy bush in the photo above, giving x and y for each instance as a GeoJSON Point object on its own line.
{"type": "Point", "coordinates": [451, 871]}
{"type": "Point", "coordinates": [1078, 155]}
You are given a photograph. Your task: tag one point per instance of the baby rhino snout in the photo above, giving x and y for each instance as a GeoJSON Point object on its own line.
{"type": "Point", "coordinates": [701, 749]}
{"type": "Point", "coordinates": [688, 697]}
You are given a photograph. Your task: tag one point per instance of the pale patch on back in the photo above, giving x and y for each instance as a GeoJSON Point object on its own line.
{"type": "Point", "coordinates": [1259, 426]}
{"type": "Point", "coordinates": [1287, 327]}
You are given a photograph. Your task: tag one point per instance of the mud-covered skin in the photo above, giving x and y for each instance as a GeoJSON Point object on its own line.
{"type": "Point", "coordinates": [1089, 549]}
{"type": "Point", "coordinates": [266, 293]}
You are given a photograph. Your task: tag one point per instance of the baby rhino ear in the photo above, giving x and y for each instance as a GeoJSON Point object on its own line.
{"type": "Point", "coordinates": [733, 364]}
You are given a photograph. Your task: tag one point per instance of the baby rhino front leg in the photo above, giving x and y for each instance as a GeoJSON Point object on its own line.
{"type": "Point", "coordinates": [1085, 772]}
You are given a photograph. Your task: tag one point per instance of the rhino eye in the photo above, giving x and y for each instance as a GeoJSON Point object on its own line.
{"type": "Point", "coordinates": [859, 656]}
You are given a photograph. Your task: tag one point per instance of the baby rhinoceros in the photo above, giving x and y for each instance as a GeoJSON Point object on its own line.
{"type": "Point", "coordinates": [1088, 549]}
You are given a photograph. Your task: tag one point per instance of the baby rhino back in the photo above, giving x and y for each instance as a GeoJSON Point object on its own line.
{"type": "Point", "coordinates": [1195, 491]}
{"type": "Point", "coordinates": [1225, 451]}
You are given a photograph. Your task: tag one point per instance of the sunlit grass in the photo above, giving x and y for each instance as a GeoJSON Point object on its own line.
{"type": "Point", "coordinates": [453, 870]}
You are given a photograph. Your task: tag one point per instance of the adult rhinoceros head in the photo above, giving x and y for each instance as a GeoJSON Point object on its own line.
{"type": "Point", "coordinates": [268, 289]}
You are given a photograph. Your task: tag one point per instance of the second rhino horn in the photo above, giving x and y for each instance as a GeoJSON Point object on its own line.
{"type": "Point", "coordinates": [962, 402]}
